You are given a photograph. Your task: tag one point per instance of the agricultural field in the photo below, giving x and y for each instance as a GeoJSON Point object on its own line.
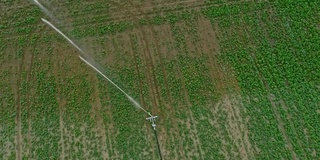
{"type": "Point", "coordinates": [227, 79]}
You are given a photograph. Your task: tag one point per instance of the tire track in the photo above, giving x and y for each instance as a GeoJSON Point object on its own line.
{"type": "Point", "coordinates": [62, 104]}
{"type": "Point", "coordinates": [161, 52]}
{"type": "Point", "coordinates": [283, 103]}
{"type": "Point", "coordinates": [148, 50]}
{"type": "Point", "coordinates": [161, 63]}
{"type": "Point", "coordinates": [148, 10]}
{"type": "Point", "coordinates": [144, 45]}
{"type": "Point", "coordinates": [193, 42]}
{"type": "Point", "coordinates": [204, 36]}
{"type": "Point", "coordinates": [284, 106]}
{"type": "Point", "coordinates": [100, 125]}
{"type": "Point", "coordinates": [19, 138]}
{"type": "Point", "coordinates": [18, 111]}
{"type": "Point", "coordinates": [219, 78]}
{"type": "Point", "coordinates": [273, 105]}
{"type": "Point", "coordinates": [150, 70]}
{"type": "Point", "coordinates": [124, 17]}
{"type": "Point", "coordinates": [244, 149]}
{"type": "Point", "coordinates": [152, 65]}
{"type": "Point", "coordinates": [138, 71]}
{"type": "Point", "coordinates": [30, 102]}
{"type": "Point", "coordinates": [114, 154]}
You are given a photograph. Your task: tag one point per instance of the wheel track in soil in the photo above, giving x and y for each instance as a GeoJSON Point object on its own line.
{"type": "Point", "coordinates": [152, 65]}
{"type": "Point", "coordinates": [242, 147]}
{"type": "Point", "coordinates": [120, 18]}
{"type": "Point", "coordinates": [146, 55]}
{"type": "Point", "coordinates": [284, 105]}
{"type": "Point", "coordinates": [138, 72]}
{"type": "Point", "coordinates": [182, 28]}
{"type": "Point", "coordinates": [283, 102]}
{"type": "Point", "coordinates": [100, 125]}
{"type": "Point", "coordinates": [149, 10]}
{"type": "Point", "coordinates": [301, 66]}
{"type": "Point", "coordinates": [145, 49]}
{"type": "Point", "coordinates": [273, 105]}
{"type": "Point", "coordinates": [220, 80]}
{"type": "Point", "coordinates": [148, 50]}
{"type": "Point", "coordinates": [175, 123]}
{"type": "Point", "coordinates": [150, 68]}
{"type": "Point", "coordinates": [123, 16]}
{"type": "Point", "coordinates": [111, 119]}
{"type": "Point", "coordinates": [115, 18]}
{"type": "Point", "coordinates": [166, 85]}
{"type": "Point", "coordinates": [155, 110]}
{"type": "Point", "coordinates": [210, 48]}
{"type": "Point", "coordinates": [29, 102]}
{"type": "Point", "coordinates": [18, 102]}
{"type": "Point", "coordinates": [18, 112]}
{"type": "Point", "coordinates": [62, 103]}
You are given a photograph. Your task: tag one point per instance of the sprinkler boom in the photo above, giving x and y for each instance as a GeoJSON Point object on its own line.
{"type": "Point", "coordinates": [136, 104]}
{"type": "Point", "coordinates": [152, 118]}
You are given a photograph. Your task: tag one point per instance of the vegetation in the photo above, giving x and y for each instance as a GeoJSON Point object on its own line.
{"type": "Point", "coordinates": [228, 80]}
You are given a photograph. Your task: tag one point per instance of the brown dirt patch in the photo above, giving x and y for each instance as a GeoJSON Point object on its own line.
{"type": "Point", "coordinates": [221, 74]}
{"type": "Point", "coordinates": [208, 36]}
{"type": "Point", "coordinates": [236, 128]}
{"type": "Point", "coordinates": [191, 125]}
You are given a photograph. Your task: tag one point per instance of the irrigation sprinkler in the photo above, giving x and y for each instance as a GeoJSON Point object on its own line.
{"type": "Point", "coordinates": [152, 118]}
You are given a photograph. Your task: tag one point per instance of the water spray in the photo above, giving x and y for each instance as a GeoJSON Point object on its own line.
{"type": "Point", "coordinates": [152, 118]}
{"type": "Point", "coordinates": [44, 9]}
{"type": "Point", "coordinates": [129, 97]}
{"type": "Point", "coordinates": [88, 63]}
{"type": "Point", "coordinates": [52, 26]}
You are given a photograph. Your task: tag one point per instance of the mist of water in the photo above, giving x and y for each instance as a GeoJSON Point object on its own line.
{"type": "Point", "coordinates": [135, 103]}
{"type": "Point", "coordinates": [51, 25]}
{"type": "Point", "coordinates": [44, 9]}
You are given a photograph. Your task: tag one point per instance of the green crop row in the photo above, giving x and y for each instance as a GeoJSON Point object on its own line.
{"type": "Point", "coordinates": [264, 69]}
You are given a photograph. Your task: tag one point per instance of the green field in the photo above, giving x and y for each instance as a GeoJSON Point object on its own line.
{"type": "Point", "coordinates": [227, 79]}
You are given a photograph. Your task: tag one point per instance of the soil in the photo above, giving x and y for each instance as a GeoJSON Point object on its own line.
{"type": "Point", "coordinates": [156, 47]}
{"type": "Point", "coordinates": [100, 126]}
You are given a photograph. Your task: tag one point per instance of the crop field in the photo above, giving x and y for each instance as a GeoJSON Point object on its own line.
{"type": "Point", "coordinates": [228, 79]}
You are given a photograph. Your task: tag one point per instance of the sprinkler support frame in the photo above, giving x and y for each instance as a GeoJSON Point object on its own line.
{"type": "Point", "coordinates": [152, 119]}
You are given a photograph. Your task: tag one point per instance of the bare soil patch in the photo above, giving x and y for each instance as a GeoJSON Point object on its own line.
{"type": "Point", "coordinates": [221, 74]}
{"type": "Point", "coordinates": [236, 128]}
